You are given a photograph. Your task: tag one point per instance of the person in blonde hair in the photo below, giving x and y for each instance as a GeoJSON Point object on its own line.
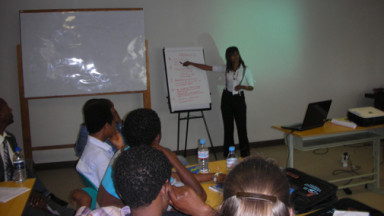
{"type": "Point", "coordinates": [256, 186]}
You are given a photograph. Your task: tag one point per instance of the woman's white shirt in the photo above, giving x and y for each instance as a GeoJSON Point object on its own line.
{"type": "Point", "coordinates": [235, 78]}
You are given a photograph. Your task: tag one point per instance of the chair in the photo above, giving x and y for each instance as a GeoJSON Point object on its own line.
{"type": "Point", "coordinates": [90, 189]}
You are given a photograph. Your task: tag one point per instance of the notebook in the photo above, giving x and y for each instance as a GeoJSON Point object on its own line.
{"type": "Point", "coordinates": [315, 116]}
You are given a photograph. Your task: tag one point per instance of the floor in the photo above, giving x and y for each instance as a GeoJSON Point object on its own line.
{"type": "Point", "coordinates": [324, 163]}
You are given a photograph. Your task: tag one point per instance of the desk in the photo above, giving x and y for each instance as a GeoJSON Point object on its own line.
{"type": "Point", "coordinates": [331, 135]}
{"type": "Point", "coordinates": [17, 204]}
{"type": "Point", "coordinates": [214, 199]}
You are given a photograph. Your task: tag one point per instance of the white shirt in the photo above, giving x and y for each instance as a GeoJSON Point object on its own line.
{"type": "Point", "coordinates": [94, 160]}
{"type": "Point", "coordinates": [10, 152]}
{"type": "Point", "coordinates": [236, 78]}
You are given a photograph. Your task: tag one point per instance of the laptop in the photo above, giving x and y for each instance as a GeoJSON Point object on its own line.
{"type": "Point", "coordinates": [315, 116]}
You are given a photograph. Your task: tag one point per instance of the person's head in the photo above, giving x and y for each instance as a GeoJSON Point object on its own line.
{"type": "Point", "coordinates": [6, 116]}
{"type": "Point", "coordinates": [256, 186]}
{"type": "Point", "coordinates": [98, 114]}
{"type": "Point", "coordinates": [233, 57]}
{"type": "Point", "coordinates": [141, 126]}
{"type": "Point", "coordinates": [141, 175]}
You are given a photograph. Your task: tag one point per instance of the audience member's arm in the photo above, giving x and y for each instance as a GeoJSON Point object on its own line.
{"type": "Point", "coordinates": [81, 198]}
{"type": "Point", "coordinates": [186, 200]}
{"type": "Point", "coordinates": [186, 177]}
{"type": "Point", "coordinates": [204, 177]}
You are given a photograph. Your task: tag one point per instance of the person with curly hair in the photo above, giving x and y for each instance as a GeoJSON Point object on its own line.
{"type": "Point", "coordinates": [149, 172]}
{"type": "Point", "coordinates": [143, 127]}
{"type": "Point", "coordinates": [148, 190]}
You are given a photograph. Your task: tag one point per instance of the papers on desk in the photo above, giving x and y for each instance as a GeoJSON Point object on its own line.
{"type": "Point", "coordinates": [350, 213]}
{"type": "Point", "coordinates": [344, 122]}
{"type": "Point", "coordinates": [194, 169]}
{"type": "Point", "coordinates": [8, 193]}
{"type": "Point", "coordinates": [217, 188]}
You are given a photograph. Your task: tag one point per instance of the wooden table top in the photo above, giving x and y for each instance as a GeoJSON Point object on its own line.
{"type": "Point", "coordinates": [16, 205]}
{"type": "Point", "coordinates": [327, 128]}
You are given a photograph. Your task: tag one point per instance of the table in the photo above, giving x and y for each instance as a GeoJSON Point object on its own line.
{"type": "Point", "coordinates": [214, 199]}
{"type": "Point", "coordinates": [17, 204]}
{"type": "Point", "coordinates": [331, 135]}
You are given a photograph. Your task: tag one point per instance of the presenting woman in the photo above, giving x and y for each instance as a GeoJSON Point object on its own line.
{"type": "Point", "coordinates": [233, 107]}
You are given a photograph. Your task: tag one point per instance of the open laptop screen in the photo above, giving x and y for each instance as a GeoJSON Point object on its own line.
{"type": "Point", "coordinates": [316, 114]}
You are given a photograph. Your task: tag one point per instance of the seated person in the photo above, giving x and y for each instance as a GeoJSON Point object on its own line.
{"type": "Point", "coordinates": [143, 127]}
{"type": "Point", "coordinates": [148, 190]}
{"type": "Point", "coordinates": [99, 121]}
{"type": "Point", "coordinates": [82, 137]}
{"type": "Point", "coordinates": [256, 186]}
{"type": "Point", "coordinates": [8, 145]}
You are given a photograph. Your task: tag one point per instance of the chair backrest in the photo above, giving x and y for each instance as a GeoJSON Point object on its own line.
{"type": "Point", "coordinates": [91, 189]}
{"type": "Point", "coordinates": [87, 182]}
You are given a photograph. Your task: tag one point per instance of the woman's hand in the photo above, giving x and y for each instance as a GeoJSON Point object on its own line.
{"type": "Point", "coordinates": [187, 63]}
{"type": "Point", "coordinates": [238, 87]}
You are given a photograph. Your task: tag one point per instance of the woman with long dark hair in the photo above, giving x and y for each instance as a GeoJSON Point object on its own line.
{"type": "Point", "coordinates": [233, 106]}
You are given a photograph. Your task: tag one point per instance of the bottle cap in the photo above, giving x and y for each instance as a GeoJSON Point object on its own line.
{"type": "Point", "coordinates": [231, 148]}
{"type": "Point", "coordinates": [17, 149]}
{"type": "Point", "coordinates": [202, 141]}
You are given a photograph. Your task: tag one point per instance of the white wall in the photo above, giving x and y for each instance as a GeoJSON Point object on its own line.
{"type": "Point", "coordinates": [299, 52]}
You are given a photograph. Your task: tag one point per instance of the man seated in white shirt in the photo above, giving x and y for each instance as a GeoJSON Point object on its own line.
{"type": "Point", "coordinates": [100, 124]}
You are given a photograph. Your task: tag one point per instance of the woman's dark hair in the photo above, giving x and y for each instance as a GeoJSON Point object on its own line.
{"type": "Point", "coordinates": [256, 186]}
{"type": "Point", "coordinates": [228, 53]}
{"type": "Point", "coordinates": [96, 113]}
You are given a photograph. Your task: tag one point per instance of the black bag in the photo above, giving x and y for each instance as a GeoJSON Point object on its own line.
{"type": "Point", "coordinates": [346, 204]}
{"type": "Point", "coordinates": [309, 193]}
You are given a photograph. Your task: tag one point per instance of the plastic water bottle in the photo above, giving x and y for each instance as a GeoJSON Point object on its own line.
{"type": "Point", "coordinates": [203, 156]}
{"type": "Point", "coordinates": [231, 158]}
{"type": "Point", "coordinates": [19, 174]}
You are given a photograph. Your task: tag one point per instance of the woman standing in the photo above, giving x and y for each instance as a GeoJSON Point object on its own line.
{"type": "Point", "coordinates": [233, 107]}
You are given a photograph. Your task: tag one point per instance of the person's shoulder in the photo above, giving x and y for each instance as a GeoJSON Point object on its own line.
{"type": "Point", "coordinates": [95, 155]}
{"type": "Point", "coordinates": [247, 70]}
{"type": "Point", "coordinates": [11, 139]}
{"type": "Point", "coordinates": [9, 135]}
{"type": "Point", "coordinates": [94, 144]}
